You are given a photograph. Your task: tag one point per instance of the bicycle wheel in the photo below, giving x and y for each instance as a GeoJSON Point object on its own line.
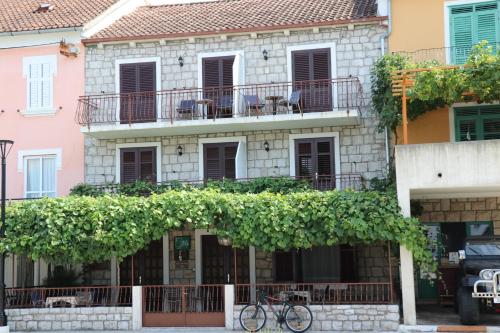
{"type": "Point", "coordinates": [298, 318]}
{"type": "Point", "coordinates": [252, 318]}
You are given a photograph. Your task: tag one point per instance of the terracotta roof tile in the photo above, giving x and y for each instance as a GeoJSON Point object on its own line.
{"type": "Point", "coordinates": [233, 15]}
{"type": "Point", "coordinates": [21, 15]}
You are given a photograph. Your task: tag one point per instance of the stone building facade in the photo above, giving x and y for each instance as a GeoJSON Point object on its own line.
{"type": "Point", "coordinates": [361, 148]}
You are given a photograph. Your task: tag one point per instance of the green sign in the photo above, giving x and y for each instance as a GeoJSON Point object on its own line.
{"type": "Point", "coordinates": [182, 243]}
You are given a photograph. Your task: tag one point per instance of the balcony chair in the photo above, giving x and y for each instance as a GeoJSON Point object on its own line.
{"type": "Point", "coordinates": [37, 299]}
{"type": "Point", "coordinates": [186, 109]}
{"type": "Point", "coordinates": [253, 106]}
{"type": "Point", "coordinates": [224, 106]}
{"type": "Point", "coordinates": [293, 101]}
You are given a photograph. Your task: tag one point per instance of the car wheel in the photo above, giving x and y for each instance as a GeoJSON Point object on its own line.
{"type": "Point", "coordinates": [468, 307]}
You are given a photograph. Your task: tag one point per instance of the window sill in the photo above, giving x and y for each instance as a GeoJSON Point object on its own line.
{"type": "Point", "coordinates": [39, 112]}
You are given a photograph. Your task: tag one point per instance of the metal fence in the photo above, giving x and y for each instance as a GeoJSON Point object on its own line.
{"type": "Point", "coordinates": [319, 293]}
{"type": "Point", "coordinates": [184, 298]}
{"type": "Point", "coordinates": [455, 55]}
{"type": "Point", "coordinates": [221, 102]}
{"type": "Point", "coordinates": [68, 297]}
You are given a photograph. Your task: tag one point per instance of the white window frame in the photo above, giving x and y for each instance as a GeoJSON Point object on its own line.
{"type": "Point", "coordinates": [447, 22]}
{"type": "Point", "coordinates": [51, 60]}
{"type": "Point", "coordinates": [336, 143]}
{"type": "Point", "coordinates": [241, 154]}
{"type": "Point", "coordinates": [120, 146]}
{"type": "Point", "coordinates": [25, 168]}
{"type": "Point", "coordinates": [303, 47]}
{"type": "Point", "coordinates": [119, 62]}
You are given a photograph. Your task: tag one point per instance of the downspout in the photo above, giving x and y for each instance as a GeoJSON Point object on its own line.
{"type": "Point", "coordinates": [383, 52]}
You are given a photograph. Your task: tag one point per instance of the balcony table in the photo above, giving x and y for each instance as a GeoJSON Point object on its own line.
{"type": "Point", "coordinates": [68, 299]}
{"type": "Point", "coordinates": [204, 103]}
{"type": "Point", "coordinates": [274, 100]}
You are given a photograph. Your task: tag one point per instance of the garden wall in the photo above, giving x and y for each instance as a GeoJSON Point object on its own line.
{"type": "Point", "coordinates": [343, 318]}
{"type": "Point", "coordinates": [55, 319]}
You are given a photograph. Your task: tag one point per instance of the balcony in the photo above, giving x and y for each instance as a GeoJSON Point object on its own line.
{"type": "Point", "coordinates": [456, 55]}
{"type": "Point", "coordinates": [211, 110]}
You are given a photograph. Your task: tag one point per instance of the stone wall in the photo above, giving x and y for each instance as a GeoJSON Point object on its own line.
{"type": "Point", "coordinates": [362, 148]}
{"type": "Point", "coordinates": [356, 51]}
{"type": "Point", "coordinates": [343, 318]}
{"type": "Point", "coordinates": [56, 319]}
{"type": "Point", "coordinates": [361, 151]}
{"type": "Point", "coordinates": [181, 272]}
{"type": "Point", "coordinates": [462, 210]}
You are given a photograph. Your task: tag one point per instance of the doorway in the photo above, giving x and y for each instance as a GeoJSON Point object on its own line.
{"type": "Point", "coordinates": [145, 267]}
{"type": "Point", "coordinates": [218, 262]}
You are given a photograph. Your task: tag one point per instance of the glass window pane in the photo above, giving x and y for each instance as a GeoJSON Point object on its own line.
{"type": "Point", "coordinates": [33, 175]}
{"type": "Point", "coordinates": [49, 176]}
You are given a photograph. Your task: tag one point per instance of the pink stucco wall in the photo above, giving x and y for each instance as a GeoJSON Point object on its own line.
{"type": "Point", "coordinates": [42, 132]}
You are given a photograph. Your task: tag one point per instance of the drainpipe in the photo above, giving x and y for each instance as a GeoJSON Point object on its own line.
{"type": "Point", "coordinates": [383, 52]}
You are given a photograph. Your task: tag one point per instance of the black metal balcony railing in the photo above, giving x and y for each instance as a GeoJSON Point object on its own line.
{"type": "Point", "coordinates": [216, 103]}
{"type": "Point", "coordinates": [456, 55]}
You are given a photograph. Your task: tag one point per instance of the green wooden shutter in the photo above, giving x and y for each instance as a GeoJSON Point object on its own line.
{"type": "Point", "coordinates": [461, 33]}
{"type": "Point", "coordinates": [486, 23]}
{"type": "Point", "coordinates": [477, 123]}
{"type": "Point", "coordinates": [471, 24]}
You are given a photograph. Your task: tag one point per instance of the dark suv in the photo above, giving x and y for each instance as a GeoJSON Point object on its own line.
{"type": "Point", "coordinates": [479, 280]}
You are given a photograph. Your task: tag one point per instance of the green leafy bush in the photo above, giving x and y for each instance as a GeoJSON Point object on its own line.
{"type": "Point", "coordinates": [87, 229]}
{"type": "Point", "coordinates": [142, 188]}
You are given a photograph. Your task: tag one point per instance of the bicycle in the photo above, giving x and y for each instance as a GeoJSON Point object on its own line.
{"type": "Point", "coordinates": [297, 318]}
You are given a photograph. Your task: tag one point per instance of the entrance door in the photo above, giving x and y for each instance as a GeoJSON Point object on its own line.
{"type": "Point", "coordinates": [147, 266]}
{"type": "Point", "coordinates": [218, 263]}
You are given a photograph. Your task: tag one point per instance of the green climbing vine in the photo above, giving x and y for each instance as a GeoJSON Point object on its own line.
{"type": "Point", "coordinates": [478, 80]}
{"type": "Point", "coordinates": [92, 229]}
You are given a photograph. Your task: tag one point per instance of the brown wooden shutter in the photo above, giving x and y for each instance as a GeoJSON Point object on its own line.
{"type": "Point", "coordinates": [128, 166]}
{"type": "Point", "coordinates": [227, 71]}
{"type": "Point", "coordinates": [220, 160]}
{"type": "Point", "coordinates": [138, 164]}
{"type": "Point", "coordinates": [128, 78]}
{"type": "Point", "coordinates": [213, 165]}
{"type": "Point", "coordinates": [315, 159]}
{"type": "Point", "coordinates": [301, 66]}
{"type": "Point", "coordinates": [134, 79]}
{"type": "Point", "coordinates": [313, 65]}
{"type": "Point", "coordinates": [211, 73]}
{"type": "Point", "coordinates": [218, 72]}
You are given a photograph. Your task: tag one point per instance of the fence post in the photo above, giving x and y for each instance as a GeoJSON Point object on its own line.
{"type": "Point", "coordinates": [229, 306]}
{"type": "Point", "coordinates": [136, 307]}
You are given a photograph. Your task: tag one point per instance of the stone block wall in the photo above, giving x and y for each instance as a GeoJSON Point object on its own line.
{"type": "Point", "coordinates": [362, 148]}
{"type": "Point", "coordinates": [462, 210]}
{"type": "Point", "coordinates": [356, 51]}
{"type": "Point", "coordinates": [361, 151]}
{"type": "Point", "coordinates": [69, 319]}
{"type": "Point", "coordinates": [342, 318]}
{"type": "Point", "coordinates": [181, 272]}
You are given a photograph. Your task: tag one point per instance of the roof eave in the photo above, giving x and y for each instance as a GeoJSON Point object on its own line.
{"type": "Point", "coordinates": [40, 31]}
{"type": "Point", "coordinates": [371, 19]}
